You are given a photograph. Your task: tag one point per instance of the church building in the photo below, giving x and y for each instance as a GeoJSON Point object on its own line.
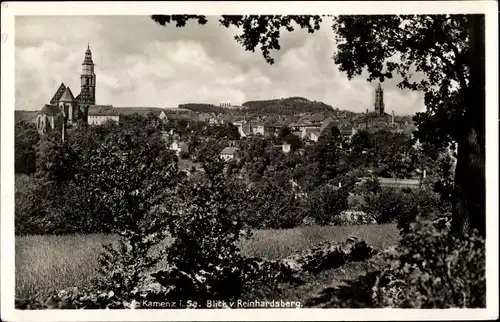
{"type": "Point", "coordinates": [64, 109]}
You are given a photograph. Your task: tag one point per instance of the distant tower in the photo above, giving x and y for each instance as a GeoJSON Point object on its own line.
{"type": "Point", "coordinates": [88, 83]}
{"type": "Point", "coordinates": [379, 100]}
{"type": "Point", "coordinates": [392, 117]}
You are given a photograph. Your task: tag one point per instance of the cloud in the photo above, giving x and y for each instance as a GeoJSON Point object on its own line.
{"type": "Point", "coordinates": [140, 63]}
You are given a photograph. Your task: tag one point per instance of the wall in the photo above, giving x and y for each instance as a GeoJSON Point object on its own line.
{"type": "Point", "coordinates": [100, 119]}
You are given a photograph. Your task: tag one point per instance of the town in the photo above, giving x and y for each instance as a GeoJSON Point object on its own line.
{"type": "Point", "coordinates": [277, 200]}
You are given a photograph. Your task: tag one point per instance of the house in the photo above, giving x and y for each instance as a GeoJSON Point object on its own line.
{"type": "Point", "coordinates": [310, 134]}
{"type": "Point", "coordinates": [166, 135]}
{"type": "Point", "coordinates": [163, 116]}
{"type": "Point", "coordinates": [262, 128]}
{"type": "Point", "coordinates": [179, 147]}
{"type": "Point", "coordinates": [238, 122]}
{"type": "Point", "coordinates": [229, 153]}
{"type": "Point", "coordinates": [313, 136]}
{"type": "Point", "coordinates": [203, 117]}
{"type": "Point", "coordinates": [286, 148]}
{"type": "Point", "coordinates": [308, 121]}
{"type": "Point", "coordinates": [328, 124]}
{"type": "Point", "coordinates": [99, 114]}
{"type": "Point", "coordinates": [347, 131]}
{"type": "Point", "coordinates": [397, 183]}
{"type": "Point", "coordinates": [245, 130]}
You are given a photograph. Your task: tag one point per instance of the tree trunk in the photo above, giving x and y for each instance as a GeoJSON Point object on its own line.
{"type": "Point", "coordinates": [470, 186]}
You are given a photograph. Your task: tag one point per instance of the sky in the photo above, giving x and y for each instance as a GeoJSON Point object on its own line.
{"type": "Point", "coordinates": [140, 63]}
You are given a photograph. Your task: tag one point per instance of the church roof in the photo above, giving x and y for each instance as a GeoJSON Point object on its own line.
{"type": "Point", "coordinates": [67, 96]}
{"type": "Point", "coordinates": [49, 109]}
{"type": "Point", "coordinates": [58, 94]}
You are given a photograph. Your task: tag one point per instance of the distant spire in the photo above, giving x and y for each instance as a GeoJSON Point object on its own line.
{"type": "Point", "coordinates": [88, 46]}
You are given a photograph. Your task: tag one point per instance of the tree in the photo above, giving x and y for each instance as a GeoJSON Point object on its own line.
{"type": "Point", "coordinates": [25, 142]}
{"type": "Point", "coordinates": [131, 180]}
{"type": "Point", "coordinates": [447, 49]}
{"type": "Point", "coordinates": [204, 260]}
{"type": "Point", "coordinates": [326, 203]}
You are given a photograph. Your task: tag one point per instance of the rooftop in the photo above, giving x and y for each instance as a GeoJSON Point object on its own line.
{"type": "Point", "coordinates": [49, 109]}
{"type": "Point", "coordinates": [67, 96]}
{"type": "Point", "coordinates": [229, 150]}
{"type": "Point", "coordinates": [105, 110]}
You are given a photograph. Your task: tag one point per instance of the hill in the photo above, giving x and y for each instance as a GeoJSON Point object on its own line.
{"type": "Point", "coordinates": [123, 110]}
{"type": "Point", "coordinates": [205, 108]}
{"type": "Point", "coordinates": [287, 106]}
{"type": "Point", "coordinates": [29, 116]}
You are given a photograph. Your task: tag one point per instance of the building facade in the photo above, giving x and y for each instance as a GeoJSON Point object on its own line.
{"type": "Point", "coordinates": [100, 114]}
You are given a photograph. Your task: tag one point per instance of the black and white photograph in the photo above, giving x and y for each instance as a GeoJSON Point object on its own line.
{"type": "Point", "coordinates": [217, 160]}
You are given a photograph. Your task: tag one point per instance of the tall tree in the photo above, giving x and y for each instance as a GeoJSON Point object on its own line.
{"type": "Point", "coordinates": [448, 50]}
{"type": "Point", "coordinates": [25, 143]}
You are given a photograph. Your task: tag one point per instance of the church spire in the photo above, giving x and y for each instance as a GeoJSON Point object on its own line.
{"type": "Point", "coordinates": [379, 100]}
{"type": "Point", "coordinates": [88, 81]}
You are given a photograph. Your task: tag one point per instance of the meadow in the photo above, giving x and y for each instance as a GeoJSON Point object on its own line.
{"type": "Point", "coordinates": [47, 263]}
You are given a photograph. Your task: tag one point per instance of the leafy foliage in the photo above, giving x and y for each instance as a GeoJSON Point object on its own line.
{"type": "Point", "coordinates": [286, 106]}
{"type": "Point", "coordinates": [131, 179]}
{"type": "Point", "coordinates": [326, 203]}
{"type": "Point", "coordinates": [25, 144]}
{"type": "Point", "coordinates": [205, 232]}
{"type": "Point", "coordinates": [263, 30]}
{"type": "Point", "coordinates": [389, 205]}
{"type": "Point", "coordinates": [273, 205]}
{"type": "Point", "coordinates": [434, 269]}
{"type": "Point", "coordinates": [204, 108]}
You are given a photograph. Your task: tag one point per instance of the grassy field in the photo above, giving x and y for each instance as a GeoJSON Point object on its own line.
{"type": "Point", "coordinates": [45, 264]}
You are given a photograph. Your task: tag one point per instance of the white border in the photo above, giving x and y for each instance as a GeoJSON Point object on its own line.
{"type": "Point", "coordinates": [490, 8]}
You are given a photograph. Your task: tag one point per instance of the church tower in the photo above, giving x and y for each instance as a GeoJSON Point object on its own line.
{"type": "Point", "coordinates": [88, 83]}
{"type": "Point", "coordinates": [379, 100]}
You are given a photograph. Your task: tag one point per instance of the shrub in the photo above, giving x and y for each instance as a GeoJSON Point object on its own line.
{"type": "Point", "coordinates": [434, 269]}
{"type": "Point", "coordinates": [272, 206]}
{"type": "Point", "coordinates": [391, 205]}
{"type": "Point", "coordinates": [326, 203]}
{"type": "Point", "coordinates": [184, 155]}
{"type": "Point", "coordinates": [30, 205]}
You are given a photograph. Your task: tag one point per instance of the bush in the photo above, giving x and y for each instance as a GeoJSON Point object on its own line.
{"type": "Point", "coordinates": [184, 155]}
{"type": "Point", "coordinates": [326, 203]}
{"type": "Point", "coordinates": [47, 207]}
{"type": "Point", "coordinates": [272, 206]}
{"type": "Point", "coordinates": [30, 205]}
{"type": "Point", "coordinates": [434, 269]}
{"type": "Point", "coordinates": [390, 205]}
